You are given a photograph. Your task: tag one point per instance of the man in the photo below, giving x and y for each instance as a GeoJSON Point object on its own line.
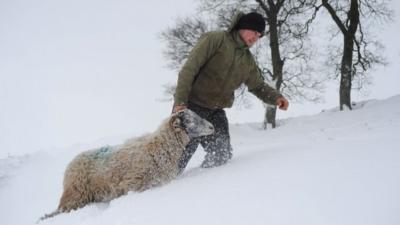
{"type": "Point", "coordinates": [218, 64]}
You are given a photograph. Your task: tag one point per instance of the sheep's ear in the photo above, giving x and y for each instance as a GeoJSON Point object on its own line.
{"type": "Point", "coordinates": [181, 114]}
{"type": "Point", "coordinates": [176, 122]}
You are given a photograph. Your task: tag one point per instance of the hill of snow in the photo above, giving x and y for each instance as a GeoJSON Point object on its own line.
{"type": "Point", "coordinates": [332, 168]}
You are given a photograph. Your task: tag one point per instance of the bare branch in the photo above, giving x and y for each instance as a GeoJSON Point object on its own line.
{"type": "Point", "coordinates": [334, 16]}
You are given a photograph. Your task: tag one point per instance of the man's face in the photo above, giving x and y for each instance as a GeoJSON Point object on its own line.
{"type": "Point", "coordinates": [249, 36]}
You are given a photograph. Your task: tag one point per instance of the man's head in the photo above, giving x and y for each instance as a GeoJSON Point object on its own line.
{"type": "Point", "coordinates": [251, 27]}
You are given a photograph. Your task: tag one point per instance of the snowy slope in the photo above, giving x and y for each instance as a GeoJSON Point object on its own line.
{"type": "Point", "coordinates": [332, 168]}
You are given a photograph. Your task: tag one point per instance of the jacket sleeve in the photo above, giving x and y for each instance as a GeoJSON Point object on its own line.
{"type": "Point", "coordinates": [256, 85]}
{"type": "Point", "coordinates": [205, 48]}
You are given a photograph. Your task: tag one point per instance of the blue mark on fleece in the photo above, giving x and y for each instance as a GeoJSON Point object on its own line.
{"type": "Point", "coordinates": [102, 152]}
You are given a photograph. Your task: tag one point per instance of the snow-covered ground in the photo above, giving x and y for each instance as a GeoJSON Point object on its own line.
{"type": "Point", "coordinates": [332, 168]}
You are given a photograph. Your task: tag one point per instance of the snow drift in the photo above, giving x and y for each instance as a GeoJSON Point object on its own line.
{"type": "Point", "coordinates": [331, 168]}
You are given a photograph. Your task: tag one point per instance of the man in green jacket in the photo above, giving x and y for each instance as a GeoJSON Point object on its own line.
{"type": "Point", "coordinates": [218, 64]}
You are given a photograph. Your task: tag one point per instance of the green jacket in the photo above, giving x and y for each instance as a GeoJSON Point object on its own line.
{"type": "Point", "coordinates": [218, 64]}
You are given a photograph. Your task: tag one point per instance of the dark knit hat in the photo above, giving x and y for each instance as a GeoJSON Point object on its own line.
{"type": "Point", "coordinates": [252, 21]}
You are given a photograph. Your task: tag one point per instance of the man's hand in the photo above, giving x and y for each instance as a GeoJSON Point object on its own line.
{"type": "Point", "coordinates": [178, 108]}
{"type": "Point", "coordinates": [282, 103]}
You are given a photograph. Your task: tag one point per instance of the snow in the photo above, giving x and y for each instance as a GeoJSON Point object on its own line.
{"type": "Point", "coordinates": [331, 168]}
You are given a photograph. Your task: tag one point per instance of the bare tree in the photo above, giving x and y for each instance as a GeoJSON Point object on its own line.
{"type": "Point", "coordinates": [288, 22]}
{"type": "Point", "coordinates": [358, 53]}
{"type": "Point", "coordinates": [181, 39]}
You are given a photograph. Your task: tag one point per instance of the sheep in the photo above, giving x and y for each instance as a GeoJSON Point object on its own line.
{"type": "Point", "coordinates": [106, 173]}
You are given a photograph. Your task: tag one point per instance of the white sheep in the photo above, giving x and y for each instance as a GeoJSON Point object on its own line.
{"type": "Point", "coordinates": [106, 173]}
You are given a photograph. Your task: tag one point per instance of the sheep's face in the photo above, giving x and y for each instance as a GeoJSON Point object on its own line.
{"type": "Point", "coordinates": [192, 123]}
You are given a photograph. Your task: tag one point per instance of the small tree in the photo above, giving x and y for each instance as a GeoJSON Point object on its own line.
{"type": "Point", "coordinates": [359, 52]}
{"type": "Point", "coordinates": [181, 39]}
{"type": "Point", "coordinates": [288, 25]}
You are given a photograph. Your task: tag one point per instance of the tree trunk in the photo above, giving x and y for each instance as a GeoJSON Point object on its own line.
{"type": "Point", "coordinates": [347, 59]}
{"type": "Point", "coordinates": [277, 65]}
{"type": "Point", "coordinates": [346, 74]}
{"type": "Point", "coordinates": [270, 117]}
{"type": "Point", "coordinates": [348, 29]}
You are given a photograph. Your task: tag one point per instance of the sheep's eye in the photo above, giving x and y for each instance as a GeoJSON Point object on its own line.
{"type": "Point", "coordinates": [181, 114]}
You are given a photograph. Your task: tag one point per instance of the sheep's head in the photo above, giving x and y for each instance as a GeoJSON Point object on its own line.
{"type": "Point", "coordinates": [193, 124]}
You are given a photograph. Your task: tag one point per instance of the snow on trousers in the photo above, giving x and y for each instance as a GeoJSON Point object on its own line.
{"type": "Point", "coordinates": [217, 146]}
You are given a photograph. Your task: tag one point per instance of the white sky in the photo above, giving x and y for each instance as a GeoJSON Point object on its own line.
{"type": "Point", "coordinates": [77, 71]}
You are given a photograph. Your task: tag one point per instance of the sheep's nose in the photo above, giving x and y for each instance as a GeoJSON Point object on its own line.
{"type": "Point", "coordinates": [211, 127]}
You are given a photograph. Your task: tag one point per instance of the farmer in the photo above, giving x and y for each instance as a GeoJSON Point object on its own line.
{"type": "Point", "coordinates": [218, 64]}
